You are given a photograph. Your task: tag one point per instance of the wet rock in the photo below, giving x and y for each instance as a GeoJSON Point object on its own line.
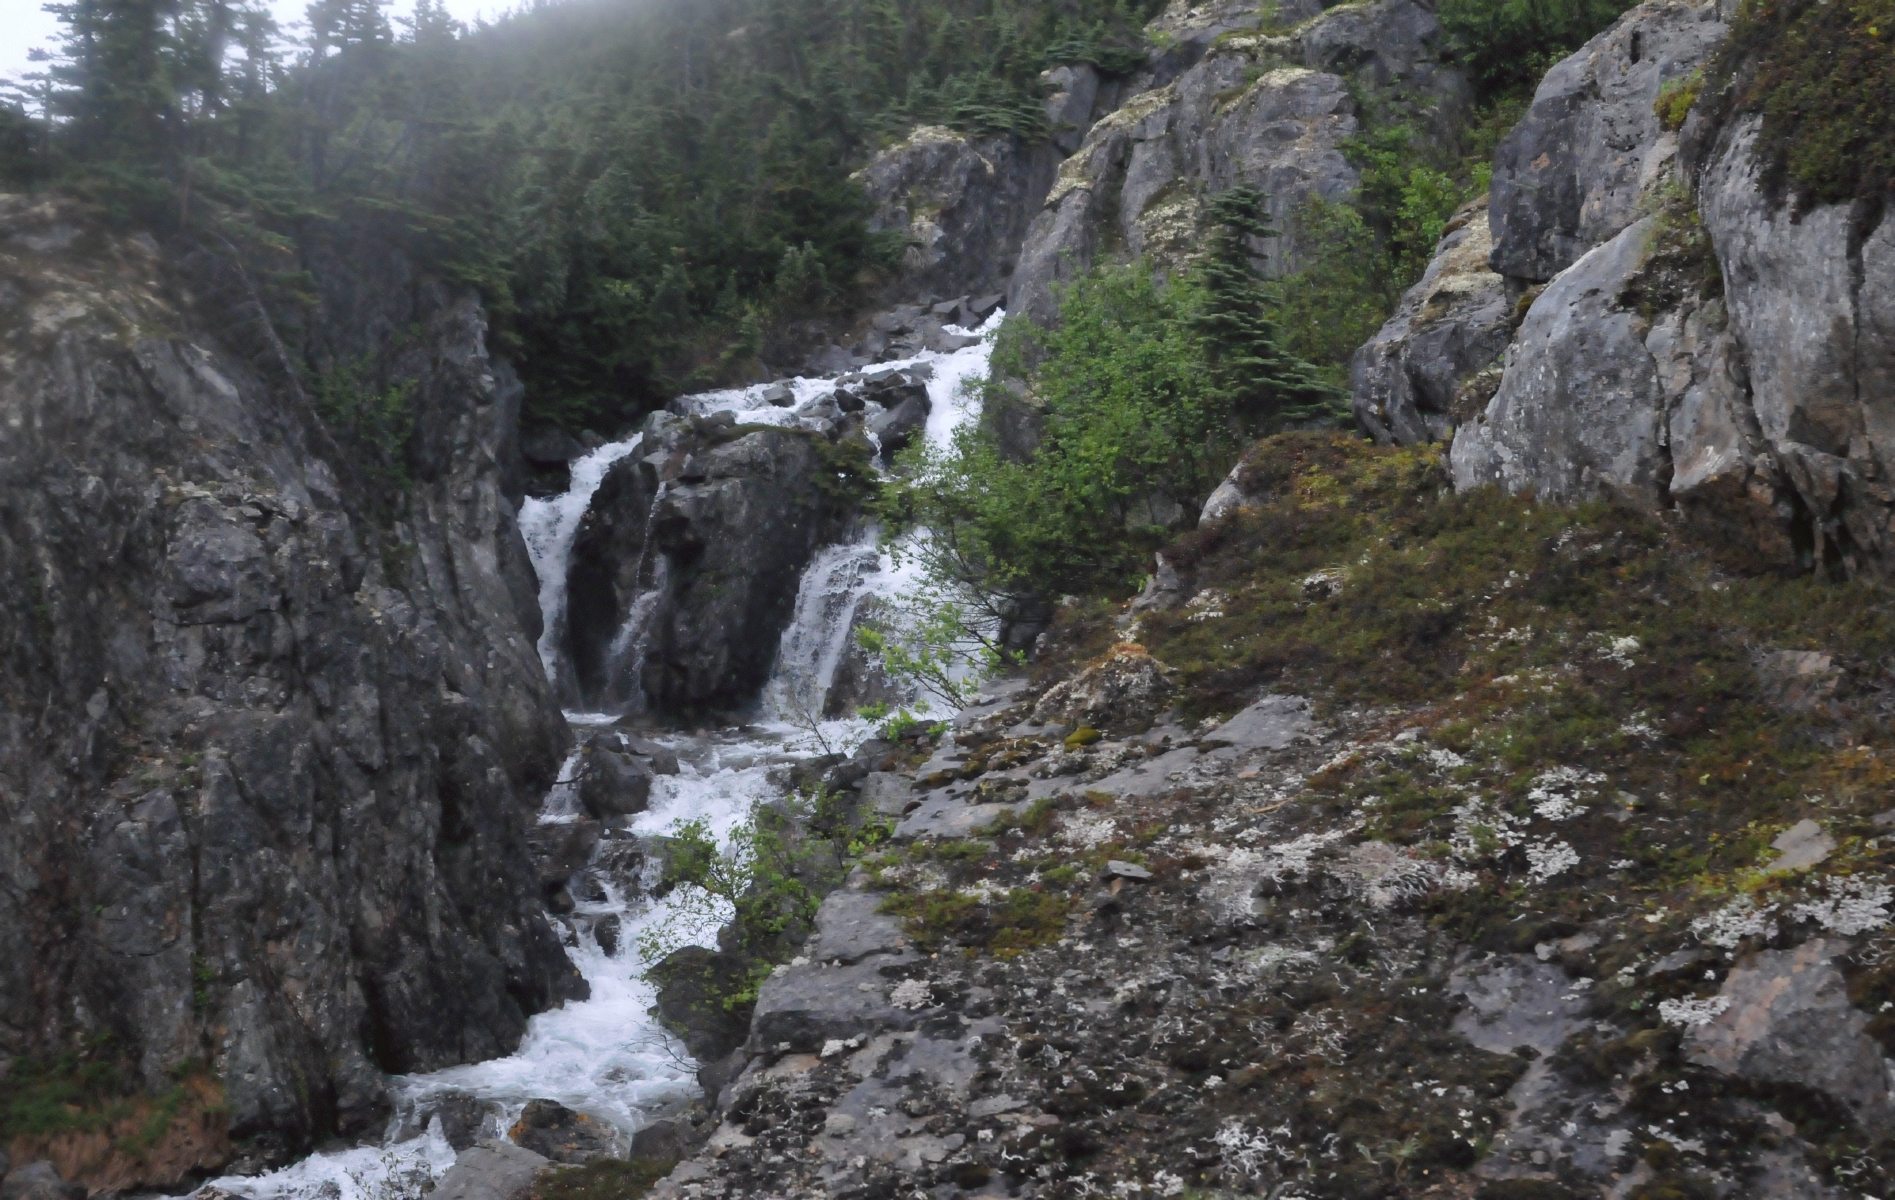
{"type": "Point", "coordinates": [549, 1128]}
{"type": "Point", "coordinates": [612, 784]}
{"type": "Point", "coordinates": [1573, 173]}
{"type": "Point", "coordinates": [692, 982]}
{"type": "Point", "coordinates": [1787, 1019]}
{"type": "Point", "coordinates": [462, 1117]}
{"type": "Point", "coordinates": [1125, 692]}
{"type": "Point", "coordinates": [667, 1140]}
{"type": "Point", "coordinates": [1411, 381]}
{"type": "Point", "coordinates": [562, 850]}
{"type": "Point", "coordinates": [779, 394]}
{"type": "Point", "coordinates": [493, 1170]}
{"type": "Point", "coordinates": [893, 428]}
{"type": "Point", "coordinates": [685, 570]}
{"type": "Point", "coordinates": [607, 934]}
{"type": "Point", "coordinates": [551, 448]}
{"type": "Point", "coordinates": [38, 1181]}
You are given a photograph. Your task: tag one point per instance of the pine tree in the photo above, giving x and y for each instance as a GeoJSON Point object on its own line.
{"type": "Point", "coordinates": [1263, 382]}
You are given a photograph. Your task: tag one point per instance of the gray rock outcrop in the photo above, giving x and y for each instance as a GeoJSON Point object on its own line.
{"type": "Point", "coordinates": [963, 202]}
{"type": "Point", "coordinates": [266, 761]}
{"type": "Point", "coordinates": [1573, 172]}
{"type": "Point", "coordinates": [1246, 108]}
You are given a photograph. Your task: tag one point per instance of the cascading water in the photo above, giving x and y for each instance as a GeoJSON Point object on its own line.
{"type": "Point", "coordinates": [606, 1056]}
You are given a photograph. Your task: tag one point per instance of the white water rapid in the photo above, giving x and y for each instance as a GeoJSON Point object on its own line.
{"type": "Point", "coordinates": [606, 1056]}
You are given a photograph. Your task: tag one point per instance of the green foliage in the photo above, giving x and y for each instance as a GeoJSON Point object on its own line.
{"type": "Point", "coordinates": [932, 642]}
{"type": "Point", "coordinates": [1676, 97]}
{"type": "Point", "coordinates": [1149, 389]}
{"type": "Point", "coordinates": [97, 1089]}
{"type": "Point", "coordinates": [1508, 44]}
{"type": "Point", "coordinates": [1823, 77]}
{"type": "Point", "coordinates": [645, 193]}
{"type": "Point", "coordinates": [374, 423]}
{"type": "Point", "coordinates": [1025, 918]}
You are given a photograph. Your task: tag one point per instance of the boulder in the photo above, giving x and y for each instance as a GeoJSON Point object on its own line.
{"type": "Point", "coordinates": [1812, 304]}
{"type": "Point", "coordinates": [691, 982]}
{"type": "Point", "coordinates": [850, 927]}
{"type": "Point", "coordinates": [1580, 409]}
{"type": "Point", "coordinates": [551, 448]}
{"type": "Point", "coordinates": [38, 1181]}
{"type": "Point", "coordinates": [492, 1170]}
{"type": "Point", "coordinates": [667, 1141]}
{"type": "Point", "coordinates": [613, 784]}
{"type": "Point", "coordinates": [895, 427]}
{"type": "Point", "coordinates": [1787, 1020]}
{"type": "Point", "coordinates": [1124, 693]}
{"type": "Point", "coordinates": [556, 1132]}
{"type": "Point", "coordinates": [462, 1117]}
{"type": "Point", "coordinates": [1576, 169]}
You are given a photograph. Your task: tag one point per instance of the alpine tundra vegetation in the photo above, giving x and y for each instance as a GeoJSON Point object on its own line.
{"type": "Point", "coordinates": [896, 599]}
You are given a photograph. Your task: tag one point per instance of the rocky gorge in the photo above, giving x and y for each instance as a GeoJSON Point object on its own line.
{"type": "Point", "coordinates": [1367, 852]}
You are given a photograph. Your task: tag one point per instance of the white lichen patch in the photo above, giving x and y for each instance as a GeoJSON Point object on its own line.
{"type": "Point", "coordinates": [1852, 905]}
{"type": "Point", "coordinates": [1692, 1012]}
{"type": "Point", "coordinates": [1734, 922]}
{"type": "Point", "coordinates": [911, 993]}
{"type": "Point", "coordinates": [1546, 859]}
{"type": "Point", "coordinates": [1087, 830]}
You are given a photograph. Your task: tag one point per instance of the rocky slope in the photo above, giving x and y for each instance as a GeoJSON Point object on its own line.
{"type": "Point", "coordinates": [266, 762]}
{"type": "Point", "coordinates": [1417, 936]}
{"type": "Point", "coordinates": [1653, 320]}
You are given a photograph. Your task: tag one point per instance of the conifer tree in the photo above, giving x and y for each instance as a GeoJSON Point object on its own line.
{"type": "Point", "coordinates": [1262, 382]}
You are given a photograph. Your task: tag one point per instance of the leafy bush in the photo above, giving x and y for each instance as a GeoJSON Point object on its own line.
{"type": "Point", "coordinates": [1149, 390]}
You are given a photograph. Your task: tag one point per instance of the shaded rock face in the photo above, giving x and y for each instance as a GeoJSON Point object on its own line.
{"type": "Point", "coordinates": [1270, 112]}
{"type": "Point", "coordinates": [1572, 173]}
{"type": "Point", "coordinates": [685, 569]}
{"type": "Point", "coordinates": [964, 203]}
{"type": "Point", "coordinates": [266, 769]}
{"type": "Point", "coordinates": [1417, 378]}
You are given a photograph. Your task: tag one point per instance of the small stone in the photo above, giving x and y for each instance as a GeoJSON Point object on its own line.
{"type": "Point", "coordinates": [1115, 869]}
{"type": "Point", "coordinates": [837, 1125]}
{"type": "Point", "coordinates": [1803, 844]}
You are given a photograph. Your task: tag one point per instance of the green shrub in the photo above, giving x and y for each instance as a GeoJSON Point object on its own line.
{"type": "Point", "coordinates": [1823, 77]}
{"type": "Point", "coordinates": [1509, 44]}
{"type": "Point", "coordinates": [1149, 389]}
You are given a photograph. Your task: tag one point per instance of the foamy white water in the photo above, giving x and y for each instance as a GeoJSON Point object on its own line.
{"type": "Point", "coordinates": [606, 1056]}
{"type": "Point", "coordinates": [550, 527]}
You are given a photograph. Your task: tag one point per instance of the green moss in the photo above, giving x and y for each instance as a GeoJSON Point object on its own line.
{"type": "Point", "coordinates": [1085, 735]}
{"type": "Point", "coordinates": [1675, 99]}
{"type": "Point", "coordinates": [603, 1179]}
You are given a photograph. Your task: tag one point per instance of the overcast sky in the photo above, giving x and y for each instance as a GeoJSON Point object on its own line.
{"type": "Point", "coordinates": [25, 24]}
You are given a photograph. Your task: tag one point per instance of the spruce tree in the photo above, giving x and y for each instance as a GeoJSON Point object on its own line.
{"type": "Point", "coordinates": [1262, 382]}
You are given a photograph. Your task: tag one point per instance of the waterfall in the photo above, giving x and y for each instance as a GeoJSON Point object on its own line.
{"type": "Point", "coordinates": [550, 527]}
{"type": "Point", "coordinates": [607, 1056]}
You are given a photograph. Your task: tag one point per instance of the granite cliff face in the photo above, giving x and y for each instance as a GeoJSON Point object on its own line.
{"type": "Point", "coordinates": [266, 764]}
{"type": "Point", "coordinates": [1653, 321]}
